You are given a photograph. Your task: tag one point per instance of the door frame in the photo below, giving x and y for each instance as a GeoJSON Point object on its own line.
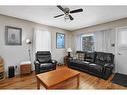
{"type": "Point", "coordinates": [116, 47]}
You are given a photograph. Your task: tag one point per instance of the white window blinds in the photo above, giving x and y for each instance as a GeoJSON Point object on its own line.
{"type": "Point", "coordinates": [42, 40]}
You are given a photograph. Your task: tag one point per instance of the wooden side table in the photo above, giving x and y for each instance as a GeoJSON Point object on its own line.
{"type": "Point", "coordinates": [25, 68]}
{"type": "Point", "coordinates": [66, 60]}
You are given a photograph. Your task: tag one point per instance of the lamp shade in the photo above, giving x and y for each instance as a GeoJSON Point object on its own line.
{"type": "Point", "coordinates": [28, 41]}
{"type": "Point", "coordinates": [69, 50]}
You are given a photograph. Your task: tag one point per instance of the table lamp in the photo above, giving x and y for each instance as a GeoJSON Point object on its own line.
{"type": "Point", "coordinates": [69, 51]}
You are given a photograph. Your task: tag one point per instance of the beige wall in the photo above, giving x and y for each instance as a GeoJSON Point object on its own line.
{"type": "Point", "coordinates": [13, 55]}
{"type": "Point", "coordinates": [109, 25]}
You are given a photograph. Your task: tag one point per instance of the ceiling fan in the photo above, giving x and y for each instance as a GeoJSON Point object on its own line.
{"type": "Point", "coordinates": [67, 12]}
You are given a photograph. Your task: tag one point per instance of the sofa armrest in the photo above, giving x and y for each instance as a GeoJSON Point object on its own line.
{"type": "Point", "coordinates": [36, 62]}
{"type": "Point", "coordinates": [37, 67]}
{"type": "Point", "coordinates": [108, 69]}
{"type": "Point", "coordinates": [109, 65]}
{"type": "Point", "coordinates": [54, 61]}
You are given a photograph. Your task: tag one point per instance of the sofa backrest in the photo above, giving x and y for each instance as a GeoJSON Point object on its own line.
{"type": "Point", "coordinates": [89, 56]}
{"type": "Point", "coordinates": [43, 56]}
{"type": "Point", "coordinates": [80, 55]}
{"type": "Point", "coordinates": [102, 57]}
{"type": "Point", "coordinates": [97, 57]}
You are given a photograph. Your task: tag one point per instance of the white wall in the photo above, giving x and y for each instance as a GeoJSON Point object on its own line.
{"type": "Point", "coordinates": [58, 53]}
{"type": "Point", "coordinates": [13, 55]}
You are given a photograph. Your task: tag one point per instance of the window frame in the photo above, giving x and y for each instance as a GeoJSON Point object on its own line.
{"type": "Point", "coordinates": [85, 35]}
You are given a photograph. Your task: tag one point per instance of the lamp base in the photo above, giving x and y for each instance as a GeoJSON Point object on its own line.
{"type": "Point", "coordinates": [69, 55]}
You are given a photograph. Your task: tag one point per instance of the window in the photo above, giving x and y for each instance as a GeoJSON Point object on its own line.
{"type": "Point", "coordinates": [60, 40]}
{"type": "Point", "coordinates": [42, 40]}
{"type": "Point", "coordinates": [87, 42]}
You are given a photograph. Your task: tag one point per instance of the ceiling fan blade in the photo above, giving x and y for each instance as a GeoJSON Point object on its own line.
{"type": "Point", "coordinates": [76, 11]}
{"type": "Point", "coordinates": [58, 15]}
{"type": "Point", "coordinates": [61, 8]}
{"type": "Point", "coordinates": [71, 18]}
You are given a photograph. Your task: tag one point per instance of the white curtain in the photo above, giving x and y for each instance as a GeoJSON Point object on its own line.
{"type": "Point", "coordinates": [42, 40]}
{"type": "Point", "coordinates": [98, 41]}
{"type": "Point", "coordinates": [104, 40]}
{"type": "Point", "coordinates": [77, 42]}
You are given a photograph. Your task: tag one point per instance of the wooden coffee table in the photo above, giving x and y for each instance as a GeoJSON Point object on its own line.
{"type": "Point", "coordinates": [53, 78]}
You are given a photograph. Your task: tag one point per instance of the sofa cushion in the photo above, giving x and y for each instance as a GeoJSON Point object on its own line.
{"type": "Point", "coordinates": [79, 61]}
{"type": "Point", "coordinates": [43, 56]}
{"type": "Point", "coordinates": [43, 60]}
{"type": "Point", "coordinates": [95, 67]}
{"type": "Point", "coordinates": [46, 65]}
{"type": "Point", "coordinates": [80, 55]}
{"type": "Point", "coordinates": [102, 58]}
{"type": "Point", "coordinates": [99, 62]}
{"type": "Point", "coordinates": [46, 58]}
{"type": "Point", "coordinates": [75, 61]}
{"type": "Point", "coordinates": [108, 57]}
{"type": "Point", "coordinates": [84, 63]}
{"type": "Point", "coordinates": [80, 64]}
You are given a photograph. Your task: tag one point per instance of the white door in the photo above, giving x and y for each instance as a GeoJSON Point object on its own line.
{"type": "Point", "coordinates": [122, 50]}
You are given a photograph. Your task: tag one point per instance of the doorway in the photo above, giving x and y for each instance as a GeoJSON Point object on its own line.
{"type": "Point", "coordinates": [122, 50]}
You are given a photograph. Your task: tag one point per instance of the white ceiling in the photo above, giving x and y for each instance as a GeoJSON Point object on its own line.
{"type": "Point", "coordinates": [91, 15]}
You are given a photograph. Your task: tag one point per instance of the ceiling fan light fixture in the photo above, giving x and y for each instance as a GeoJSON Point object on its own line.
{"type": "Point", "coordinates": [67, 13]}
{"type": "Point", "coordinates": [66, 18]}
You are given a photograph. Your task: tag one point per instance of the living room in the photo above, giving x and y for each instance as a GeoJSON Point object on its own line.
{"type": "Point", "coordinates": [88, 47]}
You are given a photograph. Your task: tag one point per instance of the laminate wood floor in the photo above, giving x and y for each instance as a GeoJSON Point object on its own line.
{"type": "Point", "coordinates": [86, 82]}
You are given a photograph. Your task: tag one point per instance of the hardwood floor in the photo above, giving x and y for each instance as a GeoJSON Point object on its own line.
{"type": "Point", "coordinates": [86, 82]}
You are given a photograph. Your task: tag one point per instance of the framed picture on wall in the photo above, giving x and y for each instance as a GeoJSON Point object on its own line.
{"type": "Point", "coordinates": [60, 40]}
{"type": "Point", "coordinates": [13, 35]}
